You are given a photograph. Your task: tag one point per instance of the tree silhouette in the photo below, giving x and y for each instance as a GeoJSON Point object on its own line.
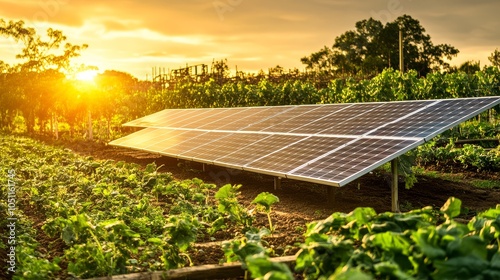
{"type": "Point", "coordinates": [372, 46]}
{"type": "Point", "coordinates": [495, 58]}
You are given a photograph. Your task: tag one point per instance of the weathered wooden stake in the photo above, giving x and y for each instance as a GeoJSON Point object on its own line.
{"type": "Point", "coordinates": [394, 186]}
{"type": "Point", "coordinates": [209, 271]}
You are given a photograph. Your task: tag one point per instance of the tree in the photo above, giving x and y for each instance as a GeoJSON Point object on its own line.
{"type": "Point", "coordinates": [373, 46]}
{"type": "Point", "coordinates": [470, 67]}
{"type": "Point", "coordinates": [41, 67]}
{"type": "Point", "coordinates": [495, 58]}
{"type": "Point", "coordinates": [220, 70]}
{"type": "Point", "coordinates": [113, 88]}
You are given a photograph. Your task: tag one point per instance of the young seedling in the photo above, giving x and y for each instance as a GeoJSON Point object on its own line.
{"type": "Point", "coordinates": [266, 200]}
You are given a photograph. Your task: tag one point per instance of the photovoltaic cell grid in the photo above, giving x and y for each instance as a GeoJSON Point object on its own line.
{"type": "Point", "coordinates": [330, 144]}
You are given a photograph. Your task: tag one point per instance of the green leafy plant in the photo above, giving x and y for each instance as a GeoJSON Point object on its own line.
{"type": "Point", "coordinates": [103, 217]}
{"type": "Point", "coordinates": [228, 204]}
{"type": "Point", "coordinates": [266, 200]}
{"type": "Point", "coordinates": [420, 244]}
{"type": "Point", "coordinates": [250, 250]}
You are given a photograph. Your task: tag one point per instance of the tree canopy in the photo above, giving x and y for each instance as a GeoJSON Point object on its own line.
{"type": "Point", "coordinates": [373, 46]}
{"type": "Point", "coordinates": [35, 86]}
{"type": "Point", "coordinates": [495, 58]}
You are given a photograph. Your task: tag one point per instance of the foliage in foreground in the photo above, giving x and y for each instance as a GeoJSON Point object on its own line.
{"type": "Point", "coordinates": [85, 218]}
{"type": "Point", "coordinates": [98, 218]}
{"type": "Point", "coordinates": [420, 244]}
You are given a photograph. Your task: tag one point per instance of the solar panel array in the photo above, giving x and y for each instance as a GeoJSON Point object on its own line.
{"type": "Point", "coordinates": [330, 144]}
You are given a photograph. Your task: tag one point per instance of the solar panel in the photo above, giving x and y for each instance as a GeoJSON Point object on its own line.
{"type": "Point", "coordinates": [344, 164]}
{"type": "Point", "coordinates": [300, 153]}
{"type": "Point", "coordinates": [257, 150]}
{"type": "Point", "coordinates": [368, 120]}
{"type": "Point", "coordinates": [436, 118]}
{"type": "Point", "coordinates": [330, 144]}
{"type": "Point", "coordinates": [215, 149]}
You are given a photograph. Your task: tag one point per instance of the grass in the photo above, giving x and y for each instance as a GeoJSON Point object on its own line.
{"type": "Point", "coordinates": [459, 177]}
{"type": "Point", "coordinates": [485, 184]}
{"type": "Point", "coordinates": [452, 177]}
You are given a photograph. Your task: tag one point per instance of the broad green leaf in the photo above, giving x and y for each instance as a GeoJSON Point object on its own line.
{"type": "Point", "coordinates": [427, 240]}
{"type": "Point", "coordinates": [254, 236]}
{"type": "Point", "coordinates": [390, 269]}
{"type": "Point", "coordinates": [150, 168]}
{"type": "Point", "coordinates": [390, 241]}
{"type": "Point", "coordinates": [351, 273]}
{"type": "Point", "coordinates": [467, 267]}
{"type": "Point", "coordinates": [493, 213]}
{"type": "Point", "coordinates": [68, 234]}
{"type": "Point", "coordinates": [384, 227]}
{"type": "Point", "coordinates": [332, 223]}
{"type": "Point", "coordinates": [182, 230]}
{"type": "Point", "coordinates": [277, 275]}
{"type": "Point", "coordinates": [452, 207]}
{"type": "Point", "coordinates": [225, 192]}
{"type": "Point", "coordinates": [155, 240]}
{"type": "Point", "coordinates": [110, 223]}
{"type": "Point", "coordinates": [363, 215]}
{"type": "Point", "coordinates": [495, 260]}
{"type": "Point", "coordinates": [468, 246]}
{"type": "Point", "coordinates": [261, 267]}
{"type": "Point", "coordinates": [248, 249]}
{"type": "Point", "coordinates": [266, 199]}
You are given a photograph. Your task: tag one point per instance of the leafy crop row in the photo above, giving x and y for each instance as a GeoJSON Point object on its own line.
{"type": "Point", "coordinates": [84, 217]}
{"type": "Point", "coordinates": [469, 157]}
{"type": "Point", "coordinates": [474, 130]}
{"type": "Point", "coordinates": [420, 244]}
{"type": "Point", "coordinates": [116, 100]}
{"type": "Point", "coordinates": [390, 85]}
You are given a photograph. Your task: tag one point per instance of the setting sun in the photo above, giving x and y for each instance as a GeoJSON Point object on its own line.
{"type": "Point", "coordinates": [87, 75]}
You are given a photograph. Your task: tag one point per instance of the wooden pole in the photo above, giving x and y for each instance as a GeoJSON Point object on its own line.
{"type": "Point", "coordinates": [277, 183]}
{"type": "Point", "coordinates": [394, 186]}
{"type": "Point", "coordinates": [401, 64]}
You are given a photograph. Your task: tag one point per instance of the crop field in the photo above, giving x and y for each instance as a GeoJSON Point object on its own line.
{"type": "Point", "coordinates": [85, 210]}
{"type": "Point", "coordinates": [76, 207]}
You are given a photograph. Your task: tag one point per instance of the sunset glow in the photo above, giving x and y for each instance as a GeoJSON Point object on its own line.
{"type": "Point", "coordinates": [136, 36]}
{"type": "Point", "coordinates": [87, 75]}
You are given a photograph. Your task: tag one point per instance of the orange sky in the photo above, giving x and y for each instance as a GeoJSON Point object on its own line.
{"type": "Point", "coordinates": [134, 36]}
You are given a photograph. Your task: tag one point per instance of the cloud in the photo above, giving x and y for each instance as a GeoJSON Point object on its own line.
{"type": "Point", "coordinates": [251, 34]}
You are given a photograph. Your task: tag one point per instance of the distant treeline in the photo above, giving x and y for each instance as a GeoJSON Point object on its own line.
{"type": "Point", "coordinates": [40, 102]}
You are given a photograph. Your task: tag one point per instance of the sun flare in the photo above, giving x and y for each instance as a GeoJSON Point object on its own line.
{"type": "Point", "coordinates": [87, 75]}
